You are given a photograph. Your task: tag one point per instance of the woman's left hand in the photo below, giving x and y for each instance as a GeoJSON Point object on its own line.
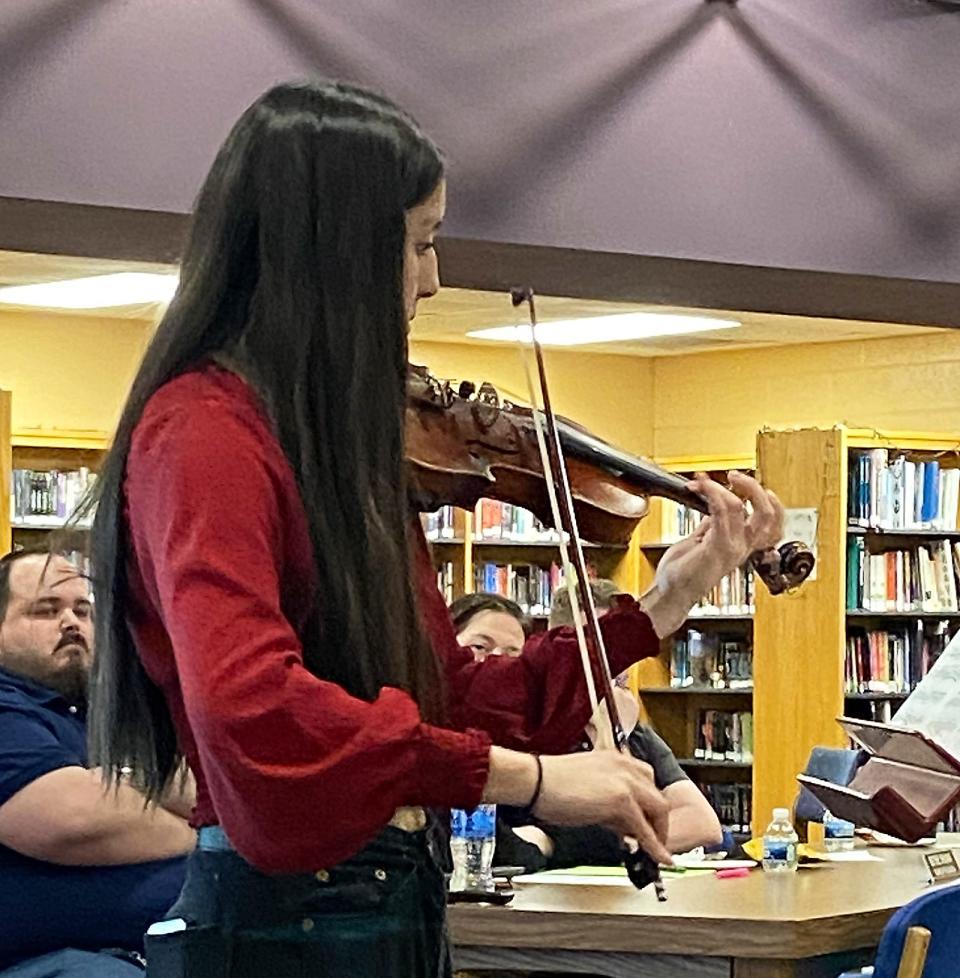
{"type": "Point", "coordinates": [723, 541]}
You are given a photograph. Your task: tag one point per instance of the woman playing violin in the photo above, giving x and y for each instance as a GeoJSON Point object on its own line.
{"type": "Point", "coordinates": [267, 610]}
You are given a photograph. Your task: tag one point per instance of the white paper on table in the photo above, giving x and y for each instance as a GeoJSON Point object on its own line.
{"type": "Point", "coordinates": [566, 880]}
{"type": "Point", "coordinates": [853, 856]}
{"type": "Point", "coordinates": [874, 838]}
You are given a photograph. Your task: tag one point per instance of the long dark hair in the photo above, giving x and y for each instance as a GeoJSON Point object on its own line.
{"type": "Point", "coordinates": [294, 267]}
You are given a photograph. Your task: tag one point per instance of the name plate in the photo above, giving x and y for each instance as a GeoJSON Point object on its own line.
{"type": "Point", "coordinates": [942, 865]}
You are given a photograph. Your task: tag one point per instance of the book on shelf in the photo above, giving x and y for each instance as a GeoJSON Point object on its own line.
{"type": "Point", "coordinates": [446, 580]}
{"type": "Point", "coordinates": [731, 802]}
{"type": "Point", "coordinates": [892, 659]}
{"type": "Point", "coordinates": [922, 577]}
{"type": "Point", "coordinates": [891, 491]}
{"type": "Point", "coordinates": [530, 585]}
{"type": "Point", "coordinates": [440, 525]}
{"type": "Point", "coordinates": [677, 521]}
{"type": "Point", "coordinates": [42, 498]}
{"type": "Point", "coordinates": [734, 595]}
{"type": "Point", "coordinates": [711, 660]}
{"type": "Point", "coordinates": [951, 822]}
{"type": "Point", "coordinates": [724, 735]}
{"type": "Point", "coordinates": [503, 521]}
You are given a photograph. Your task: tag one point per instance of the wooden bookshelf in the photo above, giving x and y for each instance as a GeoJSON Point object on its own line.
{"type": "Point", "coordinates": [673, 711]}
{"type": "Point", "coordinates": [45, 450]}
{"type": "Point", "coordinates": [799, 639]}
{"type": "Point", "coordinates": [465, 550]}
{"type": "Point", "coordinates": [799, 678]}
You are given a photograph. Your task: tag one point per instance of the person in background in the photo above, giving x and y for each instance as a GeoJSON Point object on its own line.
{"type": "Point", "coordinates": [693, 822]}
{"type": "Point", "coordinates": [487, 624]}
{"type": "Point", "coordinates": [490, 624]}
{"type": "Point", "coordinates": [80, 869]}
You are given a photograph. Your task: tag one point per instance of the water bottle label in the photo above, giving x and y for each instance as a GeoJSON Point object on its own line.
{"type": "Point", "coordinates": [779, 851]}
{"type": "Point", "coordinates": [837, 828]}
{"type": "Point", "coordinates": [480, 823]}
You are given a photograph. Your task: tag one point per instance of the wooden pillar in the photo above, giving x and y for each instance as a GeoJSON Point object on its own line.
{"type": "Point", "coordinates": [799, 638]}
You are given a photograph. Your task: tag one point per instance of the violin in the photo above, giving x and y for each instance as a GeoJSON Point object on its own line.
{"type": "Point", "coordinates": [465, 444]}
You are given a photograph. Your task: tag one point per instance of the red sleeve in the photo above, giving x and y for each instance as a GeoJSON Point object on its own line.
{"type": "Point", "coordinates": [537, 701]}
{"type": "Point", "coordinates": [301, 774]}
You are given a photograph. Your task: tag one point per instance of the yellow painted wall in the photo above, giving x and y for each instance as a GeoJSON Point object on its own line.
{"type": "Point", "coordinates": [68, 371]}
{"type": "Point", "coordinates": [717, 402]}
{"type": "Point", "coordinates": [610, 395]}
{"type": "Point", "coordinates": [73, 372]}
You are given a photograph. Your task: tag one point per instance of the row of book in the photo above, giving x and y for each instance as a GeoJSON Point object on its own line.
{"type": "Point", "coordinates": [734, 595]}
{"type": "Point", "coordinates": [918, 578]}
{"type": "Point", "coordinates": [494, 521]}
{"type": "Point", "coordinates": [530, 585]}
{"type": "Point", "coordinates": [50, 496]}
{"type": "Point", "coordinates": [446, 583]}
{"type": "Point", "coordinates": [677, 521]}
{"type": "Point", "coordinates": [731, 802]}
{"type": "Point", "coordinates": [894, 659]}
{"type": "Point", "coordinates": [724, 735]}
{"type": "Point", "coordinates": [440, 525]}
{"type": "Point", "coordinates": [711, 659]}
{"type": "Point", "coordinates": [890, 491]}
{"type": "Point", "coordinates": [504, 521]}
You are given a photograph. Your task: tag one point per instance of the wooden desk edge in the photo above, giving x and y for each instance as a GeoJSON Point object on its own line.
{"type": "Point", "coordinates": [706, 936]}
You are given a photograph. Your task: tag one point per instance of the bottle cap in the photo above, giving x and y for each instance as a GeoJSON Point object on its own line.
{"type": "Point", "coordinates": [781, 814]}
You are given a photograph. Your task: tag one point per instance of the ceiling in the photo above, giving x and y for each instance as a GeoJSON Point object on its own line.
{"type": "Point", "coordinates": [449, 316]}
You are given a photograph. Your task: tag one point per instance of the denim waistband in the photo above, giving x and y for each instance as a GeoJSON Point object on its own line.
{"type": "Point", "coordinates": [212, 838]}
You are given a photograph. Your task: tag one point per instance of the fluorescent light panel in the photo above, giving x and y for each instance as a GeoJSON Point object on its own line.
{"type": "Point", "coordinates": [606, 329]}
{"type": "Point", "coordinates": [94, 292]}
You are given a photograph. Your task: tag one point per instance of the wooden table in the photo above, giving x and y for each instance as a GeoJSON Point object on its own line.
{"type": "Point", "coordinates": [812, 924]}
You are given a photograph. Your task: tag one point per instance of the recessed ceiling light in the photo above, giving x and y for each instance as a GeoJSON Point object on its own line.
{"type": "Point", "coordinates": [94, 292]}
{"type": "Point", "coordinates": [606, 329]}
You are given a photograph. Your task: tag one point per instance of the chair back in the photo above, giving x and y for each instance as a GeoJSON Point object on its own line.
{"type": "Point", "coordinates": [834, 764]}
{"type": "Point", "coordinates": [936, 911]}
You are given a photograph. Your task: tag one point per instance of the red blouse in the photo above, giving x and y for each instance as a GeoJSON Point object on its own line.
{"type": "Point", "coordinates": [300, 774]}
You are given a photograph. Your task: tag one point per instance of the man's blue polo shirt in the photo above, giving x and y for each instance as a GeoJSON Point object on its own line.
{"type": "Point", "coordinates": [44, 907]}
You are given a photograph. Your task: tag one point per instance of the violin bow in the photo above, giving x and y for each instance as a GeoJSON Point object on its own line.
{"type": "Point", "coordinates": [641, 867]}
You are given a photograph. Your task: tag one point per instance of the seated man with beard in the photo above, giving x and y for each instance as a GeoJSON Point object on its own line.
{"type": "Point", "coordinates": [83, 871]}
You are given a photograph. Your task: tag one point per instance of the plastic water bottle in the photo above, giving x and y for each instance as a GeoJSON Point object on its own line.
{"type": "Point", "coordinates": [780, 844]}
{"type": "Point", "coordinates": [473, 837]}
{"type": "Point", "coordinates": [837, 834]}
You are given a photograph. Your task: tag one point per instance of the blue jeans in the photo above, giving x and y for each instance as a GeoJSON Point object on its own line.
{"type": "Point", "coordinates": [379, 913]}
{"type": "Point", "coordinates": [71, 963]}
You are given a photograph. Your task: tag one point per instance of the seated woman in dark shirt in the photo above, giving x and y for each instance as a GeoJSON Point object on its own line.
{"type": "Point", "coordinates": [490, 624]}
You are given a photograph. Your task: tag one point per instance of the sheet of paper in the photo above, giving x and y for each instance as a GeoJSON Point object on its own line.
{"type": "Point", "coordinates": [854, 856]}
{"type": "Point", "coordinates": [534, 878]}
{"type": "Point", "coordinates": [600, 875]}
{"type": "Point", "coordinates": [934, 706]}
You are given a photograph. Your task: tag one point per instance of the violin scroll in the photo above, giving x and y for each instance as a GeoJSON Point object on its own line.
{"type": "Point", "coordinates": [785, 569]}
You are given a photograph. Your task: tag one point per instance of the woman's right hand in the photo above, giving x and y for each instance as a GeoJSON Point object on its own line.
{"type": "Point", "coordinates": [601, 787]}
{"type": "Point", "coordinates": [605, 787]}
